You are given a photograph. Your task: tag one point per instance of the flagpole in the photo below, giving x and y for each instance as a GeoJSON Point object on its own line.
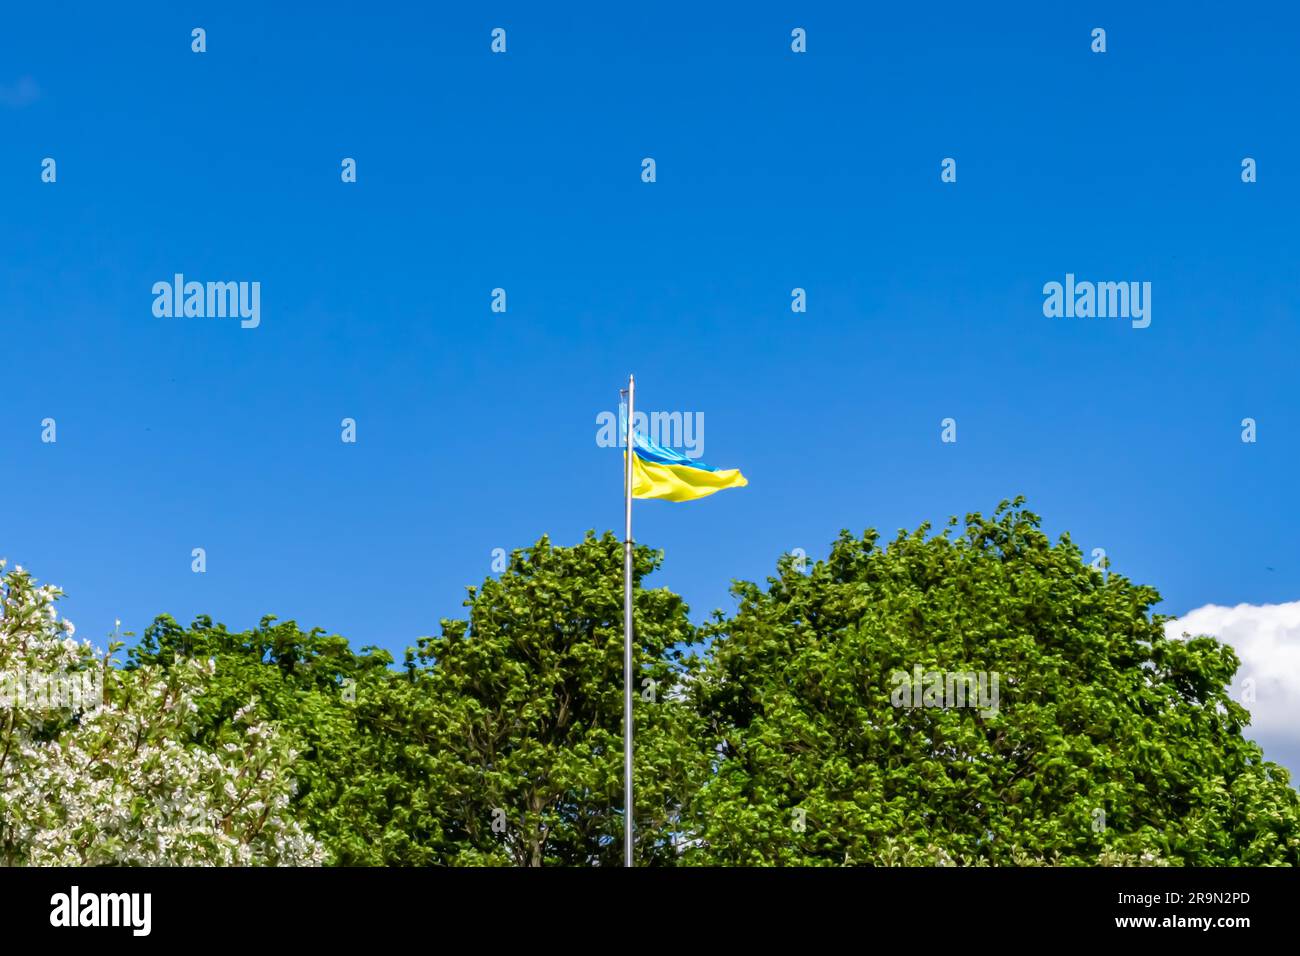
{"type": "Point", "coordinates": [627, 636]}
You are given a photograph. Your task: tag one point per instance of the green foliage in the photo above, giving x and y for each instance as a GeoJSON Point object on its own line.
{"type": "Point", "coordinates": [498, 742]}
{"type": "Point", "coordinates": [1110, 742]}
{"type": "Point", "coordinates": [525, 702]}
{"type": "Point", "coordinates": [359, 783]}
{"type": "Point", "coordinates": [513, 716]}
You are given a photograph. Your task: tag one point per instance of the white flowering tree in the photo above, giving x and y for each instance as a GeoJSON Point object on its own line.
{"type": "Point", "coordinates": [113, 777]}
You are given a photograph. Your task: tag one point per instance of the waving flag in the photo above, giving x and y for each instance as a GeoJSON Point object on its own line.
{"type": "Point", "coordinates": [659, 472]}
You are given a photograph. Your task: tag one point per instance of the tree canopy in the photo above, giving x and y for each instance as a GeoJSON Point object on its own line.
{"type": "Point", "coordinates": [99, 765]}
{"type": "Point", "coordinates": [977, 696]}
{"type": "Point", "coordinates": [499, 741]}
{"type": "Point", "coordinates": [1109, 742]}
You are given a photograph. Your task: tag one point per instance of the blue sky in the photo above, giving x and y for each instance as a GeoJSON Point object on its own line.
{"type": "Point", "coordinates": [775, 170]}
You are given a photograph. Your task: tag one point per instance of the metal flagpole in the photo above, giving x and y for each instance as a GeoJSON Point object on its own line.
{"type": "Point", "coordinates": [627, 637]}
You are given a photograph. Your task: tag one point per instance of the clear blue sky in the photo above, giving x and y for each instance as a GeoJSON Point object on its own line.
{"type": "Point", "coordinates": [775, 170]}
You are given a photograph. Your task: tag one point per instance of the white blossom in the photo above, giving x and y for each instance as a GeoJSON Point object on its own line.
{"type": "Point", "coordinates": [125, 784]}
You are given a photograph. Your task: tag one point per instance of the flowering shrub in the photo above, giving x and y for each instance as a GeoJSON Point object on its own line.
{"type": "Point", "coordinates": [119, 781]}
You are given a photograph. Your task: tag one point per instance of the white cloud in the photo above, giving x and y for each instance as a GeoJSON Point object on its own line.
{"type": "Point", "coordinates": [1267, 639]}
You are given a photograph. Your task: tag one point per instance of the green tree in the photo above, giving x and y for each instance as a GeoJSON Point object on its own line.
{"type": "Point", "coordinates": [524, 700]}
{"type": "Point", "coordinates": [500, 742]}
{"type": "Point", "coordinates": [364, 784]}
{"type": "Point", "coordinates": [1109, 742]}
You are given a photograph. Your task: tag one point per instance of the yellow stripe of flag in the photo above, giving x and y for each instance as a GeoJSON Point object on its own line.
{"type": "Point", "coordinates": [680, 482]}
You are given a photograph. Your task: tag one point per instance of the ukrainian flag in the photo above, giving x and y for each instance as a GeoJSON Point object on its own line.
{"type": "Point", "coordinates": [659, 472]}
